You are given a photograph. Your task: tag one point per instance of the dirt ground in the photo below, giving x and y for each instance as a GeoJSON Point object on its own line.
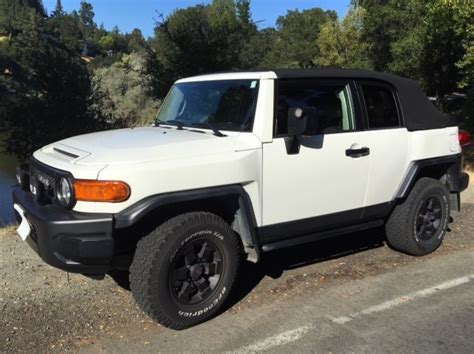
{"type": "Point", "coordinates": [43, 309]}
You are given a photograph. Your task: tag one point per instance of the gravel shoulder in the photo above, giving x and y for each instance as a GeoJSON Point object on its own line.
{"type": "Point", "coordinates": [45, 310]}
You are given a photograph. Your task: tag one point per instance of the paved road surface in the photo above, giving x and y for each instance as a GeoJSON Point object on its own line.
{"type": "Point", "coordinates": [427, 306]}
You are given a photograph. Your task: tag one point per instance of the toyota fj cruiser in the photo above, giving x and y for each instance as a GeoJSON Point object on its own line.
{"type": "Point", "coordinates": [238, 164]}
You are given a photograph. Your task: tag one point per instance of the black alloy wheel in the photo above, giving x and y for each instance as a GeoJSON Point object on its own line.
{"type": "Point", "coordinates": [196, 272]}
{"type": "Point", "coordinates": [184, 271]}
{"type": "Point", "coordinates": [428, 221]}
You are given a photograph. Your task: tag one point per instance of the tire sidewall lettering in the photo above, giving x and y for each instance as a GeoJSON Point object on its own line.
{"type": "Point", "coordinates": [206, 309]}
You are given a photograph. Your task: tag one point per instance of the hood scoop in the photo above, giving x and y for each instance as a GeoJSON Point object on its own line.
{"type": "Point", "coordinates": [69, 154]}
{"type": "Point", "coordinates": [65, 153]}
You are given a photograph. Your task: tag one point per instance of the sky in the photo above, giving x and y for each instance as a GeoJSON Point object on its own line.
{"type": "Point", "coordinates": [130, 14]}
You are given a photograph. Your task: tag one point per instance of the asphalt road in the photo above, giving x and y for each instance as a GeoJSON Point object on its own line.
{"type": "Point", "coordinates": [424, 307]}
{"type": "Point", "coordinates": [347, 294]}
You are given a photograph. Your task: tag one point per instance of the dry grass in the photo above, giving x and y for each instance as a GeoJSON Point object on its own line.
{"type": "Point", "coordinates": [7, 230]}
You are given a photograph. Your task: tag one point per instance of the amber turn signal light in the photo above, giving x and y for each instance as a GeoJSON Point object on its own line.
{"type": "Point", "coordinates": [101, 191]}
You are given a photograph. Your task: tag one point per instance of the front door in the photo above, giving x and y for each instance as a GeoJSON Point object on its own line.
{"type": "Point", "coordinates": [325, 183]}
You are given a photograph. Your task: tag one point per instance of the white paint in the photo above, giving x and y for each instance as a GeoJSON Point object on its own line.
{"type": "Point", "coordinates": [276, 340]}
{"type": "Point", "coordinates": [387, 305]}
{"type": "Point", "coordinates": [255, 75]}
{"type": "Point", "coordinates": [24, 229]}
{"type": "Point", "coordinates": [319, 180]}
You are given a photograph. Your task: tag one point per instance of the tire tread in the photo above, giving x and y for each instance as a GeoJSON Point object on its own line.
{"type": "Point", "coordinates": [148, 253]}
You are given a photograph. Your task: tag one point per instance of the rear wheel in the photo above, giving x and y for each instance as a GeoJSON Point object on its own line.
{"type": "Point", "coordinates": [183, 272]}
{"type": "Point", "coordinates": [417, 226]}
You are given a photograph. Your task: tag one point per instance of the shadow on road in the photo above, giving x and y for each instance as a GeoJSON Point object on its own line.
{"type": "Point", "coordinates": [274, 264]}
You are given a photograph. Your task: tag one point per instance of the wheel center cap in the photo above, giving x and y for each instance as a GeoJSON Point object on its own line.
{"type": "Point", "coordinates": [196, 271]}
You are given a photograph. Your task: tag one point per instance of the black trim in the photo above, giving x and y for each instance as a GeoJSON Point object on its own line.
{"type": "Point", "coordinates": [463, 182]}
{"type": "Point", "coordinates": [454, 174]}
{"type": "Point", "coordinates": [358, 103]}
{"type": "Point", "coordinates": [139, 210]}
{"type": "Point", "coordinates": [72, 241]}
{"type": "Point", "coordinates": [355, 153]}
{"type": "Point", "coordinates": [393, 90]}
{"type": "Point", "coordinates": [321, 235]}
{"type": "Point", "coordinates": [321, 224]}
{"type": "Point", "coordinates": [348, 84]}
{"type": "Point", "coordinates": [57, 174]}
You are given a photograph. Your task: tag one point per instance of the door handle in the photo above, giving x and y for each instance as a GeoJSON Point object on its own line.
{"type": "Point", "coordinates": [358, 152]}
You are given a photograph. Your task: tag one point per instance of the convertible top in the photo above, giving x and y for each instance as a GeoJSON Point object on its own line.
{"type": "Point", "coordinates": [419, 113]}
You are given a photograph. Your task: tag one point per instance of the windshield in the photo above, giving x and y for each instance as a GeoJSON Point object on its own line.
{"type": "Point", "coordinates": [226, 105]}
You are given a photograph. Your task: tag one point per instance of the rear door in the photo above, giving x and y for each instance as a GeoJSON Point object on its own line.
{"type": "Point", "coordinates": [387, 139]}
{"type": "Point", "coordinates": [325, 184]}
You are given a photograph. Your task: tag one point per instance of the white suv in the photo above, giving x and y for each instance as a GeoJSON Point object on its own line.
{"type": "Point", "coordinates": [238, 164]}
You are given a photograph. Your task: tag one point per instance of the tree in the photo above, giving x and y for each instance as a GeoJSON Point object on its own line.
{"type": "Point", "coordinates": [45, 96]}
{"type": "Point", "coordinates": [58, 10]}
{"type": "Point", "coordinates": [135, 41]}
{"type": "Point", "coordinates": [255, 52]}
{"type": "Point", "coordinates": [417, 39]}
{"type": "Point", "coordinates": [37, 5]}
{"type": "Point", "coordinates": [123, 92]}
{"type": "Point", "coordinates": [86, 15]}
{"type": "Point", "coordinates": [340, 44]}
{"type": "Point", "coordinates": [297, 32]}
{"type": "Point", "coordinates": [244, 14]}
{"type": "Point", "coordinates": [69, 30]}
{"type": "Point", "coordinates": [198, 39]}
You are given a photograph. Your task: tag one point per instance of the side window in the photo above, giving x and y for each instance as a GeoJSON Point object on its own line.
{"type": "Point", "coordinates": [330, 104]}
{"type": "Point", "coordinates": [381, 107]}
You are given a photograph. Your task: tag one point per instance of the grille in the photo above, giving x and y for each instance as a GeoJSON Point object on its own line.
{"type": "Point", "coordinates": [45, 184]}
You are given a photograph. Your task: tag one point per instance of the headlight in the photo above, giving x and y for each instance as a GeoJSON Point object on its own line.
{"type": "Point", "coordinates": [64, 192]}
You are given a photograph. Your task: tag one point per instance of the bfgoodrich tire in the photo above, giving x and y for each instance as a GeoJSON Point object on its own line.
{"type": "Point", "coordinates": [183, 272]}
{"type": "Point", "coordinates": [417, 226]}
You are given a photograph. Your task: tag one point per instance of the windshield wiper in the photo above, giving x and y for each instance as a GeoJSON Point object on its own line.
{"type": "Point", "coordinates": [178, 123]}
{"type": "Point", "coordinates": [216, 131]}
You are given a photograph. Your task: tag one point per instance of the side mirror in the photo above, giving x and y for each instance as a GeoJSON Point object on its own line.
{"type": "Point", "coordinates": [298, 122]}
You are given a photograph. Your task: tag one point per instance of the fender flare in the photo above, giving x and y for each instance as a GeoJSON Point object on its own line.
{"type": "Point", "coordinates": [453, 173]}
{"type": "Point", "coordinates": [136, 212]}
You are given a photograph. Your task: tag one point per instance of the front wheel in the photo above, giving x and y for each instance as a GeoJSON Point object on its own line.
{"type": "Point", "coordinates": [417, 226]}
{"type": "Point", "coordinates": [183, 272]}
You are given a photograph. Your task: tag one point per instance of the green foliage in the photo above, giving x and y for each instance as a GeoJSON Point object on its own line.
{"type": "Point", "coordinates": [63, 75]}
{"type": "Point", "coordinates": [421, 39]}
{"type": "Point", "coordinates": [58, 10]}
{"type": "Point", "coordinates": [295, 45]}
{"type": "Point", "coordinates": [44, 96]}
{"type": "Point", "coordinates": [67, 27]}
{"type": "Point", "coordinates": [86, 15]}
{"type": "Point", "coordinates": [123, 92]}
{"type": "Point", "coordinates": [340, 43]}
{"type": "Point", "coordinates": [199, 39]}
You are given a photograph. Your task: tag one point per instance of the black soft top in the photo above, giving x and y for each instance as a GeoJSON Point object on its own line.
{"type": "Point", "coordinates": [419, 113]}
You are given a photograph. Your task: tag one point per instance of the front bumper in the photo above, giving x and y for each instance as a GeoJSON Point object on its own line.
{"type": "Point", "coordinates": [68, 240]}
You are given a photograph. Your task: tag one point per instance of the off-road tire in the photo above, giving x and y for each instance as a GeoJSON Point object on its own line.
{"type": "Point", "coordinates": [403, 228]}
{"type": "Point", "coordinates": [153, 270]}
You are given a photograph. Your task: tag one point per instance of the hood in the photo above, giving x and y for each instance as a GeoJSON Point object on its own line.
{"type": "Point", "coordinates": [125, 146]}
